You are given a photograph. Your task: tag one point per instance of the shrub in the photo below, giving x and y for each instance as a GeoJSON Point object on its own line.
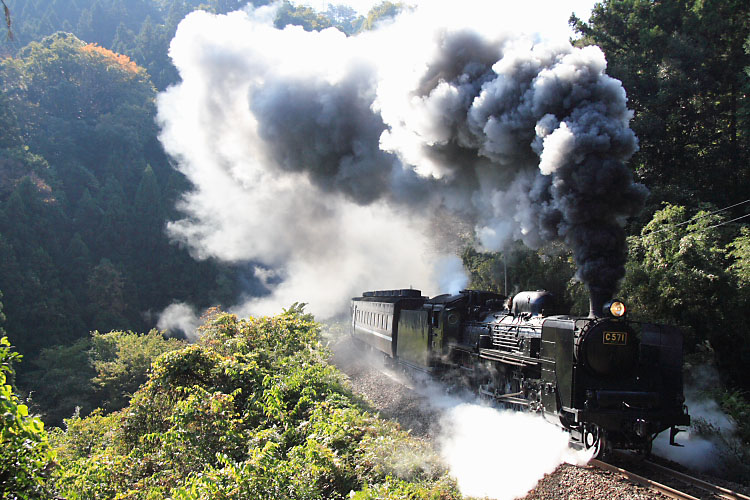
{"type": "Point", "coordinates": [24, 450]}
{"type": "Point", "coordinates": [252, 410]}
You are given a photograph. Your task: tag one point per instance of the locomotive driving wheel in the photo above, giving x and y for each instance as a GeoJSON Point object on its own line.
{"type": "Point", "coordinates": [594, 440]}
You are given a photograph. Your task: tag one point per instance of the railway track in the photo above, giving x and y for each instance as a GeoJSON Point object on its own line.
{"type": "Point", "coordinates": [671, 483]}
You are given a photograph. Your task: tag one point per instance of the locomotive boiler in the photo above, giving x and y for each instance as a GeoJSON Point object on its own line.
{"type": "Point", "coordinates": [611, 382]}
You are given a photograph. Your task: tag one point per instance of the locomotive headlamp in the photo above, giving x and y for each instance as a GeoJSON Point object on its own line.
{"type": "Point", "coordinates": [616, 308]}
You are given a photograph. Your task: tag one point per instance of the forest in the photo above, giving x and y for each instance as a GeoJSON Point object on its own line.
{"type": "Point", "coordinates": [86, 191]}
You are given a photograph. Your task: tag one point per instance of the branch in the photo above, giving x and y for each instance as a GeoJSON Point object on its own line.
{"type": "Point", "coordinates": [7, 20]}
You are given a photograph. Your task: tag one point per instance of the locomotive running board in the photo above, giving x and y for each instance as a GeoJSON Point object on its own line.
{"type": "Point", "coordinates": [506, 398]}
{"type": "Point", "coordinates": [511, 359]}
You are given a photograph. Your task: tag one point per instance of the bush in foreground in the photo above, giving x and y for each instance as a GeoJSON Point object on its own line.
{"type": "Point", "coordinates": [24, 450]}
{"type": "Point", "coordinates": [250, 411]}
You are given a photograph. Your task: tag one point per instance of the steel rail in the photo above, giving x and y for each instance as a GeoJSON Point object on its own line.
{"type": "Point", "coordinates": [661, 488]}
{"type": "Point", "coordinates": [699, 483]}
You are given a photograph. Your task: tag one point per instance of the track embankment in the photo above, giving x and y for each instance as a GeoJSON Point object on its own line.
{"type": "Point", "coordinates": [396, 397]}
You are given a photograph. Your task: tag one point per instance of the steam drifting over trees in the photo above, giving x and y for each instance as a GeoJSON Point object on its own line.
{"type": "Point", "coordinates": [525, 139]}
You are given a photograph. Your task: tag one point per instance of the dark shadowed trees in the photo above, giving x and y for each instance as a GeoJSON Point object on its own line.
{"type": "Point", "coordinates": [682, 64]}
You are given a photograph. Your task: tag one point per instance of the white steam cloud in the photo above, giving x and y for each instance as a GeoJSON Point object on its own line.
{"type": "Point", "coordinates": [323, 157]}
{"type": "Point", "coordinates": [696, 451]}
{"type": "Point", "coordinates": [705, 445]}
{"type": "Point", "coordinates": [494, 453]}
{"type": "Point", "coordinates": [452, 277]}
{"type": "Point", "coordinates": [179, 318]}
{"type": "Point", "coordinates": [502, 454]}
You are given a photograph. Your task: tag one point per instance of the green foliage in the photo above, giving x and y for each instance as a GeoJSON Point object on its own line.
{"type": "Point", "coordinates": [737, 405]}
{"type": "Point", "coordinates": [250, 411]}
{"type": "Point", "coordinates": [740, 252]}
{"type": "Point", "coordinates": [30, 222]}
{"type": "Point", "coordinates": [380, 12]}
{"type": "Point", "coordinates": [62, 376]}
{"type": "Point", "coordinates": [301, 15]}
{"type": "Point", "coordinates": [81, 205]}
{"type": "Point", "coordinates": [106, 294]}
{"type": "Point", "coordinates": [549, 268]}
{"type": "Point", "coordinates": [24, 449]}
{"type": "Point", "coordinates": [676, 266]}
{"type": "Point", "coordinates": [122, 361]}
{"type": "Point", "coordinates": [485, 270]}
{"type": "Point", "coordinates": [102, 370]}
{"type": "Point", "coordinates": [676, 271]}
{"type": "Point", "coordinates": [397, 489]}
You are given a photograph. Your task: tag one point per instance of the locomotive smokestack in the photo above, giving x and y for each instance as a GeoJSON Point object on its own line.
{"type": "Point", "coordinates": [597, 298]}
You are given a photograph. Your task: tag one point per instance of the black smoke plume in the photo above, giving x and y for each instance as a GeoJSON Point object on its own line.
{"type": "Point", "coordinates": [307, 149]}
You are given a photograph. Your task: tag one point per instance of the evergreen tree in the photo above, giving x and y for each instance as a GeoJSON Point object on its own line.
{"type": "Point", "coordinates": [87, 219]}
{"type": "Point", "coordinates": [124, 39]}
{"type": "Point", "coordinates": [78, 266]}
{"type": "Point", "coordinates": [112, 232]}
{"type": "Point", "coordinates": [107, 301]}
{"type": "Point", "coordinates": [60, 381]}
{"type": "Point", "coordinates": [682, 64]}
{"type": "Point", "coordinates": [2, 315]}
{"type": "Point", "coordinates": [85, 25]}
{"type": "Point", "coordinates": [148, 240]}
{"type": "Point", "coordinates": [11, 132]}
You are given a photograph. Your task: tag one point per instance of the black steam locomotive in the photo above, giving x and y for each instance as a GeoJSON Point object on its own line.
{"type": "Point", "coordinates": [612, 382]}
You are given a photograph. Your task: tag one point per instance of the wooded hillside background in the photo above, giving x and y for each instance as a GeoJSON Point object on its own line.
{"type": "Point", "coordinates": [86, 189]}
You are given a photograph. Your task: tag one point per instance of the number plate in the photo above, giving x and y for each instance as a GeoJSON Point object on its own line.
{"type": "Point", "coordinates": [616, 338]}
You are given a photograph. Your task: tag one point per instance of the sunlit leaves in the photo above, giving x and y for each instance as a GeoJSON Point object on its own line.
{"type": "Point", "coordinates": [116, 61]}
{"type": "Point", "coordinates": [24, 450]}
{"type": "Point", "coordinates": [250, 411]}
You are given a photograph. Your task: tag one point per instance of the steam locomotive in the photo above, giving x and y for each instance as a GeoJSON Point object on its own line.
{"type": "Point", "coordinates": [611, 382]}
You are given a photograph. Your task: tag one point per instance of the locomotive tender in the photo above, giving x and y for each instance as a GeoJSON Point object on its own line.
{"type": "Point", "coordinates": [611, 382]}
